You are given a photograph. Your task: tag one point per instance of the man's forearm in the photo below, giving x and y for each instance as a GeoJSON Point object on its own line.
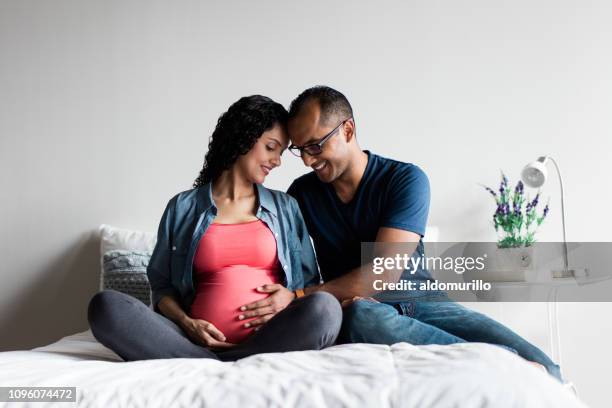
{"type": "Point", "coordinates": [390, 242]}
{"type": "Point", "coordinates": [358, 282]}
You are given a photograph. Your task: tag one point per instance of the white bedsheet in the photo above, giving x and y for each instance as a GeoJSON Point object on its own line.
{"type": "Point", "coordinates": [356, 375]}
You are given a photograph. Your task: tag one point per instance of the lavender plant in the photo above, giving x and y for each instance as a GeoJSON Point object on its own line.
{"type": "Point", "coordinates": [516, 225]}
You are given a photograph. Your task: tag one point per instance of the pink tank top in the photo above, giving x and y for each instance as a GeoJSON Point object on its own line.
{"type": "Point", "coordinates": [230, 262]}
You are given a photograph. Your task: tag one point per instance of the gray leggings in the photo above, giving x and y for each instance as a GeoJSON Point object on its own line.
{"type": "Point", "coordinates": [133, 331]}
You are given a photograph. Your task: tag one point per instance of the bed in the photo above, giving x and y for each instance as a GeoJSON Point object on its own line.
{"type": "Point", "coordinates": [355, 375]}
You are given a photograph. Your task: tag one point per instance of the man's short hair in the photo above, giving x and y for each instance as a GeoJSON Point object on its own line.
{"type": "Point", "coordinates": [333, 104]}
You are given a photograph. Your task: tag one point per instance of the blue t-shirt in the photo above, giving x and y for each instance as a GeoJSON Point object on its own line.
{"type": "Point", "coordinates": [390, 194]}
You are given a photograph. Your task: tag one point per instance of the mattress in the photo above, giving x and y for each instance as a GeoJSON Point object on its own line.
{"type": "Point", "coordinates": [354, 375]}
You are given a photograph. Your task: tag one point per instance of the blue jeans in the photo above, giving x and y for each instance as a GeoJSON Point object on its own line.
{"type": "Point", "coordinates": [432, 319]}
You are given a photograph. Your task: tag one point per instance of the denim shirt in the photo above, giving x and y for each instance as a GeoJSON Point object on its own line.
{"type": "Point", "coordinates": [186, 219]}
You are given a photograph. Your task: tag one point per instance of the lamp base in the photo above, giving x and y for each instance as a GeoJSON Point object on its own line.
{"type": "Point", "coordinates": [570, 273]}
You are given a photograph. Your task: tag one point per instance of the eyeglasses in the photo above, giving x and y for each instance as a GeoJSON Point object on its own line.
{"type": "Point", "coordinates": [316, 148]}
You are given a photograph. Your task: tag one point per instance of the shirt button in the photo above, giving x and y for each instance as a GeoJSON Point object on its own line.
{"type": "Point", "coordinates": [285, 266]}
{"type": "Point", "coordinates": [276, 234]}
{"type": "Point", "coordinates": [174, 248]}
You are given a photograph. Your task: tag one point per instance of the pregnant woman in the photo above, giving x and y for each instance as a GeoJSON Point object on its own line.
{"type": "Point", "coordinates": [227, 243]}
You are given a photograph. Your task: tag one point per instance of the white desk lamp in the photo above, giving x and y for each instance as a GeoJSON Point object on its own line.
{"type": "Point", "coordinates": [534, 175]}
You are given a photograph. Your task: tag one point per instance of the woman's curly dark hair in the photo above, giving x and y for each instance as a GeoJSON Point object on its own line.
{"type": "Point", "coordinates": [237, 131]}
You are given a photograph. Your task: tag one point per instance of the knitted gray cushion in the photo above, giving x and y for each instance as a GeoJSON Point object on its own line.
{"type": "Point", "coordinates": [126, 271]}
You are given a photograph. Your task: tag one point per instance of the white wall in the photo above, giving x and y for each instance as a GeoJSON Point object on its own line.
{"type": "Point", "coordinates": [106, 108]}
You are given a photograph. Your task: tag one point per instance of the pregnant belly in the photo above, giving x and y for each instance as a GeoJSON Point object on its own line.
{"type": "Point", "coordinates": [220, 294]}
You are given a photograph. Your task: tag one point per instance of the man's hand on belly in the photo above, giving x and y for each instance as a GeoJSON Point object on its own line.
{"type": "Point", "coordinates": [265, 309]}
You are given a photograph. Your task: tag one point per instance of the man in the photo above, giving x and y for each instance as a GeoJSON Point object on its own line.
{"type": "Point", "coordinates": [354, 196]}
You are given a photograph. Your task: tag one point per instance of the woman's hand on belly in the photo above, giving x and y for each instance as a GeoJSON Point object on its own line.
{"type": "Point", "coordinates": [204, 333]}
{"type": "Point", "coordinates": [265, 309]}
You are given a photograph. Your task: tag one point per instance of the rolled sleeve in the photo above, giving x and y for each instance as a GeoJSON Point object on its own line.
{"type": "Point", "coordinates": [158, 270]}
{"type": "Point", "coordinates": [310, 269]}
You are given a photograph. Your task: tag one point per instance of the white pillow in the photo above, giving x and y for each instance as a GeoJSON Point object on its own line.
{"type": "Point", "coordinates": [113, 238]}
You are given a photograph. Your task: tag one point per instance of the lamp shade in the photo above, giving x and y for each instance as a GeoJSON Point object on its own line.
{"type": "Point", "coordinates": [534, 174]}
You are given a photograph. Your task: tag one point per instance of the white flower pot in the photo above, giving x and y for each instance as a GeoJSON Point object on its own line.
{"type": "Point", "coordinates": [502, 264]}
